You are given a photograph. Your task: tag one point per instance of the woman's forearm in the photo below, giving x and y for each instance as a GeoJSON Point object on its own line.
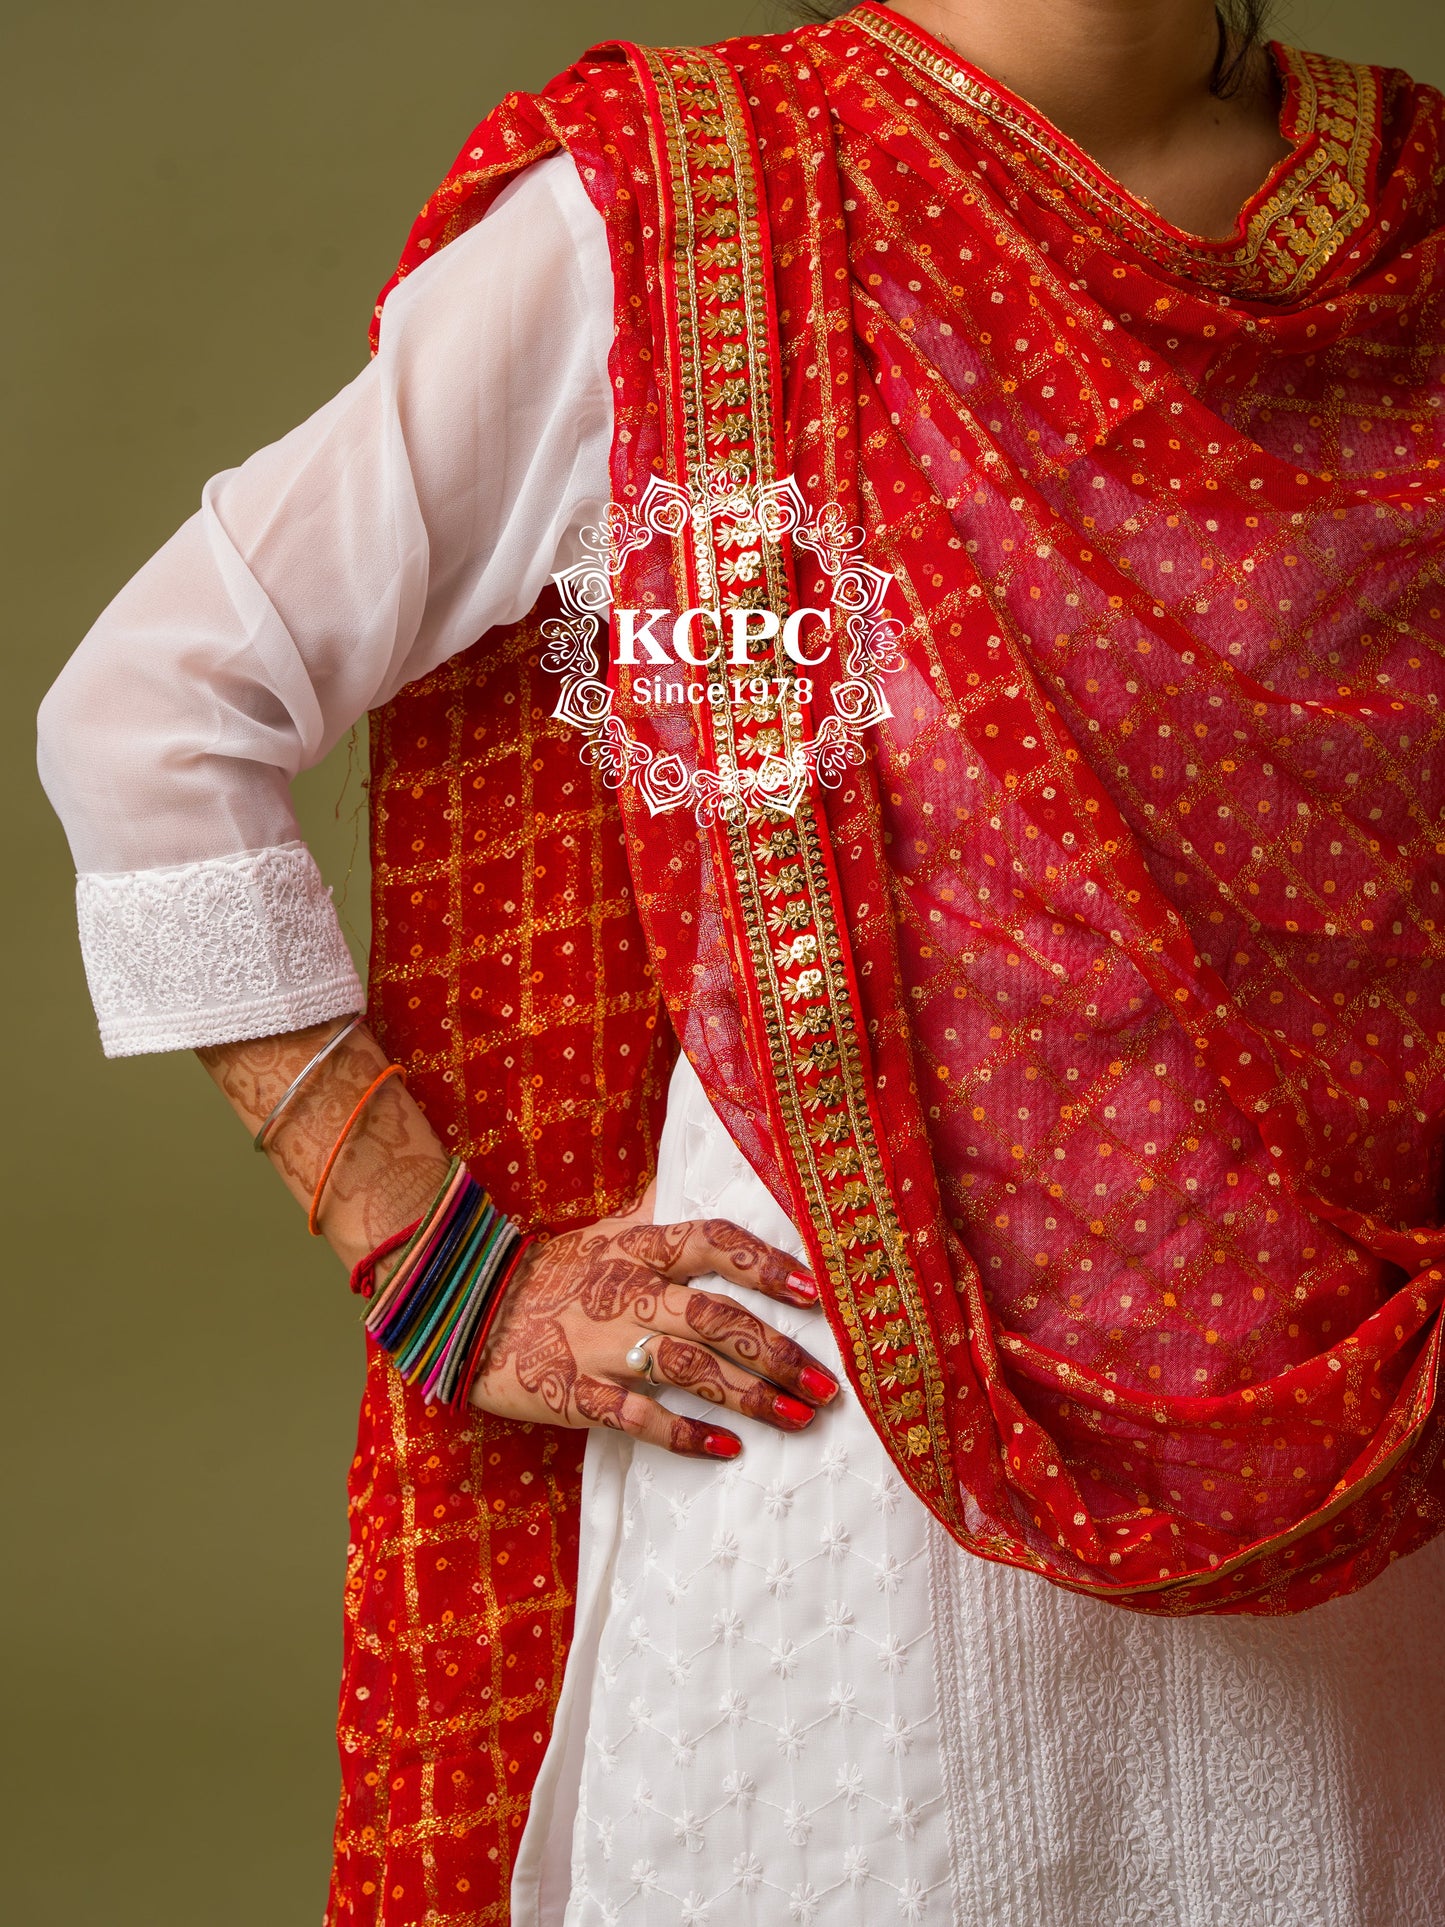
{"type": "Point", "coordinates": [392, 1162]}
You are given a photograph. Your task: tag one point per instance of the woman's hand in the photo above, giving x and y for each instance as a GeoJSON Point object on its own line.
{"type": "Point", "coordinates": [558, 1352]}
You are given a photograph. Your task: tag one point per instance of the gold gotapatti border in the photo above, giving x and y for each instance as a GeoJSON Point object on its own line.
{"type": "Point", "coordinates": [718, 291]}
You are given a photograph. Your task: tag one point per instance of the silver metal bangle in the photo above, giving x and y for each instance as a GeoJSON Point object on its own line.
{"type": "Point", "coordinates": [258, 1142]}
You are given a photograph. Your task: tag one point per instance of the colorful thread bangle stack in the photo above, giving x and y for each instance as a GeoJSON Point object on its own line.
{"type": "Point", "coordinates": [435, 1311]}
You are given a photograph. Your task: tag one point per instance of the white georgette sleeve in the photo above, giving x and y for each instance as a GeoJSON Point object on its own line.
{"type": "Point", "coordinates": [427, 502]}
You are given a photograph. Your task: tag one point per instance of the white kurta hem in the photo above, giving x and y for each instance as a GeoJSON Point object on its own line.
{"type": "Point", "coordinates": [794, 1699]}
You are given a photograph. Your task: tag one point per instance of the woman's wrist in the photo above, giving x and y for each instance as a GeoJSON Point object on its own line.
{"type": "Point", "coordinates": [434, 1304]}
{"type": "Point", "coordinates": [391, 1163]}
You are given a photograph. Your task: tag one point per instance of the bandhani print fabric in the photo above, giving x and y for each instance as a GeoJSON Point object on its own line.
{"type": "Point", "coordinates": [1089, 1021]}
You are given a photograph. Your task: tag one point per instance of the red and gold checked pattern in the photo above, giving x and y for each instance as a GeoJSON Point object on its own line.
{"type": "Point", "coordinates": [460, 1588]}
{"type": "Point", "coordinates": [509, 975]}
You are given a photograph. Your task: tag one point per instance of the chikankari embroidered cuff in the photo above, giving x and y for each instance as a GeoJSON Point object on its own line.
{"type": "Point", "coordinates": [204, 953]}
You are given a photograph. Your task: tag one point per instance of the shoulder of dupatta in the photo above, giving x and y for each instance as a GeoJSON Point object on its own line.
{"type": "Point", "coordinates": [569, 112]}
{"type": "Point", "coordinates": [1385, 129]}
{"type": "Point", "coordinates": [1412, 142]}
{"type": "Point", "coordinates": [579, 110]}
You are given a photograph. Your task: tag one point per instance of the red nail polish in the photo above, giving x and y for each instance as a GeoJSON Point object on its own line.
{"type": "Point", "coordinates": [802, 1286]}
{"type": "Point", "coordinates": [791, 1411]}
{"type": "Point", "coordinates": [817, 1383]}
{"type": "Point", "coordinates": [721, 1445]}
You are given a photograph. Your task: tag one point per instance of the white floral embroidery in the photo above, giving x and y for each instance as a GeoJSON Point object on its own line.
{"type": "Point", "coordinates": [912, 1900]}
{"type": "Point", "coordinates": [205, 953]}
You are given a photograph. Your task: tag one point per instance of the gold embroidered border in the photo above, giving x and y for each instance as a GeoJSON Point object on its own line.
{"type": "Point", "coordinates": [719, 280]}
{"type": "Point", "coordinates": [1319, 199]}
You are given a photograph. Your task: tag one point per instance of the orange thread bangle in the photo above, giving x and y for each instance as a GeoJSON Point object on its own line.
{"type": "Point", "coordinates": [313, 1224]}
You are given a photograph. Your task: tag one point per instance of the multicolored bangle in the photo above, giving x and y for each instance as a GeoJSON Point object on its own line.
{"type": "Point", "coordinates": [435, 1312]}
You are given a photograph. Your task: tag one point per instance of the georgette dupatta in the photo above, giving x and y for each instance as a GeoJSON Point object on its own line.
{"type": "Point", "coordinates": [1091, 1023]}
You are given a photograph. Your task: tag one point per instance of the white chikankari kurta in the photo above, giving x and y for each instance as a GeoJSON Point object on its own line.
{"type": "Point", "coordinates": [424, 504]}
{"type": "Point", "coordinates": [791, 1698]}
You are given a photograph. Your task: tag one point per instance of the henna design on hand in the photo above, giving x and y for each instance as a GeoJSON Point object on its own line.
{"type": "Point", "coordinates": [601, 1403]}
{"type": "Point", "coordinates": [658, 1245]}
{"type": "Point", "coordinates": [692, 1369]}
{"type": "Point", "coordinates": [719, 1322]}
{"type": "Point", "coordinates": [577, 1303]}
{"type": "Point", "coordinates": [746, 1259]}
{"type": "Point", "coordinates": [555, 1339]}
{"type": "Point", "coordinates": [763, 1268]}
{"type": "Point", "coordinates": [399, 1190]}
{"type": "Point", "coordinates": [605, 1404]}
{"type": "Point", "coordinates": [580, 1268]}
{"type": "Point", "coordinates": [547, 1367]}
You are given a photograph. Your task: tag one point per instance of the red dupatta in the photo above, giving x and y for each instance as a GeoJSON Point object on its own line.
{"type": "Point", "coordinates": [1154, 844]}
{"type": "Point", "coordinates": [1085, 1028]}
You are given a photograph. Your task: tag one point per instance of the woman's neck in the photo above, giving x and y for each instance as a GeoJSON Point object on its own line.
{"type": "Point", "coordinates": [1129, 82]}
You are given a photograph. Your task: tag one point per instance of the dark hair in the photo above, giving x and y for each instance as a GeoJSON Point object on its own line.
{"type": "Point", "coordinates": [1241, 25]}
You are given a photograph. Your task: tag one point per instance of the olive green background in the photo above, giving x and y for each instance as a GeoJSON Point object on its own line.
{"type": "Point", "coordinates": [202, 202]}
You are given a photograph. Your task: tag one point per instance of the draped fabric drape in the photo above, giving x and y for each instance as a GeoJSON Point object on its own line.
{"type": "Point", "coordinates": [1091, 1027]}
{"type": "Point", "coordinates": [1142, 877]}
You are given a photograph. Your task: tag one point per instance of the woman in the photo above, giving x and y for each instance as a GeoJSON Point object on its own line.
{"type": "Point", "coordinates": [1053, 969]}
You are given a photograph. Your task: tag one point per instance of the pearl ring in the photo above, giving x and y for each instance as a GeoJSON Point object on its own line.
{"type": "Point", "coordinates": [639, 1359]}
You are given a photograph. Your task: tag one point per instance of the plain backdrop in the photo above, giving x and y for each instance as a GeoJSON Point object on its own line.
{"type": "Point", "coordinates": [202, 202]}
